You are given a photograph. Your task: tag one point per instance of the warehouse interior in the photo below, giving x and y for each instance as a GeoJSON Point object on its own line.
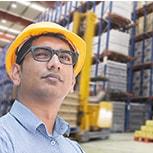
{"type": "Point", "coordinates": [111, 109]}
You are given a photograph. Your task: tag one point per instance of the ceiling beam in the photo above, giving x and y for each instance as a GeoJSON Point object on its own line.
{"type": "Point", "coordinates": [4, 36]}
{"type": "Point", "coordinates": [14, 18]}
{"type": "Point", "coordinates": [50, 4]}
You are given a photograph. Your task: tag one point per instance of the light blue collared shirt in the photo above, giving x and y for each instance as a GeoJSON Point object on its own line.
{"type": "Point", "coordinates": [22, 132]}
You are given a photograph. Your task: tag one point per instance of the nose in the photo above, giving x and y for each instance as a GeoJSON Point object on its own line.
{"type": "Point", "coordinates": [54, 63]}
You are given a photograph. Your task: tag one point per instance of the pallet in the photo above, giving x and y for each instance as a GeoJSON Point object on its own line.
{"type": "Point", "coordinates": [118, 20]}
{"type": "Point", "coordinates": [140, 139]}
{"type": "Point", "coordinates": [112, 55]}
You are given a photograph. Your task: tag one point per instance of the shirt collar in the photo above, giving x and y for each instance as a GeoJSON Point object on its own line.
{"type": "Point", "coordinates": [31, 122]}
{"type": "Point", "coordinates": [61, 127]}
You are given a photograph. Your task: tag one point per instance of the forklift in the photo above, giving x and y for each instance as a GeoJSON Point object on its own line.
{"type": "Point", "coordinates": [95, 113]}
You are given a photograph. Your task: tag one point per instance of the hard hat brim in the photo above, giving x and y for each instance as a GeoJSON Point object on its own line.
{"type": "Point", "coordinates": [41, 28]}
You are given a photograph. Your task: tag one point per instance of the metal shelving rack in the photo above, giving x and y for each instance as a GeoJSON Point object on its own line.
{"type": "Point", "coordinates": [64, 17]}
{"type": "Point", "coordinates": [63, 14]}
{"type": "Point", "coordinates": [6, 85]}
{"type": "Point", "coordinates": [105, 25]}
{"type": "Point", "coordinates": [137, 13]}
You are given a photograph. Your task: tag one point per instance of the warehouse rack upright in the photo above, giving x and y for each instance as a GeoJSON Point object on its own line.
{"type": "Point", "coordinates": [143, 96]}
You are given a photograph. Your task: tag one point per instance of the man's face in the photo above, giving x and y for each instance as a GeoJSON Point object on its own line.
{"type": "Point", "coordinates": [46, 79]}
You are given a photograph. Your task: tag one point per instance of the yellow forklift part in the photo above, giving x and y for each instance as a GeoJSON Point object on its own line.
{"type": "Point", "coordinates": [100, 115]}
{"type": "Point", "coordinates": [93, 115]}
{"type": "Point", "coordinates": [104, 119]}
{"type": "Point", "coordinates": [84, 25]}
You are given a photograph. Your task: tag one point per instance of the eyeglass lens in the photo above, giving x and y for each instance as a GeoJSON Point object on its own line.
{"type": "Point", "coordinates": [44, 54]}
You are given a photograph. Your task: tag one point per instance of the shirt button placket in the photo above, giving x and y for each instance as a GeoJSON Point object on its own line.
{"type": "Point", "coordinates": [52, 142]}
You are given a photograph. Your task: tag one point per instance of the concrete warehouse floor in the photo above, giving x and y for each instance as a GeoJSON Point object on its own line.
{"type": "Point", "coordinates": [118, 143]}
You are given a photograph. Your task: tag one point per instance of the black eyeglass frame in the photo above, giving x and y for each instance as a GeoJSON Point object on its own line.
{"type": "Point", "coordinates": [73, 54]}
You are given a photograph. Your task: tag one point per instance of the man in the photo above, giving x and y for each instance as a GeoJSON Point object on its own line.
{"type": "Point", "coordinates": [42, 62]}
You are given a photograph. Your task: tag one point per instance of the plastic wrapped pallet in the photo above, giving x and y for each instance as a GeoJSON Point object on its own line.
{"type": "Point", "coordinates": [93, 69]}
{"type": "Point", "coordinates": [118, 116]}
{"type": "Point", "coordinates": [116, 73]}
{"type": "Point", "coordinates": [95, 45]}
{"type": "Point", "coordinates": [138, 116]}
{"type": "Point", "coordinates": [118, 42]}
{"type": "Point", "coordinates": [123, 9]}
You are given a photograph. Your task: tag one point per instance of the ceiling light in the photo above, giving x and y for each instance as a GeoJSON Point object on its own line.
{"type": "Point", "coordinates": [38, 7]}
{"type": "Point", "coordinates": [9, 29]}
{"type": "Point", "coordinates": [34, 6]}
{"type": "Point", "coordinates": [26, 3]}
{"type": "Point", "coordinates": [13, 5]}
{"type": "Point", "coordinates": [3, 21]}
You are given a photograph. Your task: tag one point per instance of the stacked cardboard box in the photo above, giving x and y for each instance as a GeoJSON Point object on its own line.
{"type": "Point", "coordinates": [138, 52]}
{"type": "Point", "coordinates": [144, 22]}
{"type": "Point", "coordinates": [143, 51]}
{"type": "Point", "coordinates": [145, 133]}
{"type": "Point", "coordinates": [146, 83]}
{"type": "Point", "coordinates": [142, 78]}
{"type": "Point", "coordinates": [142, 85]}
{"type": "Point", "coordinates": [136, 83]}
{"type": "Point", "coordinates": [69, 109]}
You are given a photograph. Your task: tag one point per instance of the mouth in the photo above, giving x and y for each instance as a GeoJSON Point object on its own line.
{"type": "Point", "coordinates": [52, 77]}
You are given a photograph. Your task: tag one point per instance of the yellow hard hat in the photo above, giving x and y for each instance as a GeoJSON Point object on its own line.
{"type": "Point", "coordinates": [41, 28]}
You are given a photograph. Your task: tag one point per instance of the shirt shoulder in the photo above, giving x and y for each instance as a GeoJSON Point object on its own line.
{"type": "Point", "coordinates": [5, 134]}
{"type": "Point", "coordinates": [76, 145]}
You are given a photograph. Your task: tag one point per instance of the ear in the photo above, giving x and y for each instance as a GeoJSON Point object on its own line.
{"type": "Point", "coordinates": [73, 83]}
{"type": "Point", "coordinates": [15, 74]}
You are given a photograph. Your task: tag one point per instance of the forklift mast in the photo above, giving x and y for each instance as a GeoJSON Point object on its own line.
{"type": "Point", "coordinates": [84, 26]}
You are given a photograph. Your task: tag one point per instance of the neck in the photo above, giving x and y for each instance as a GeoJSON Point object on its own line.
{"type": "Point", "coordinates": [46, 111]}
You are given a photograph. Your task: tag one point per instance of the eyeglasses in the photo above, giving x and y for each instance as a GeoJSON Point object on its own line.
{"type": "Point", "coordinates": [44, 54]}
